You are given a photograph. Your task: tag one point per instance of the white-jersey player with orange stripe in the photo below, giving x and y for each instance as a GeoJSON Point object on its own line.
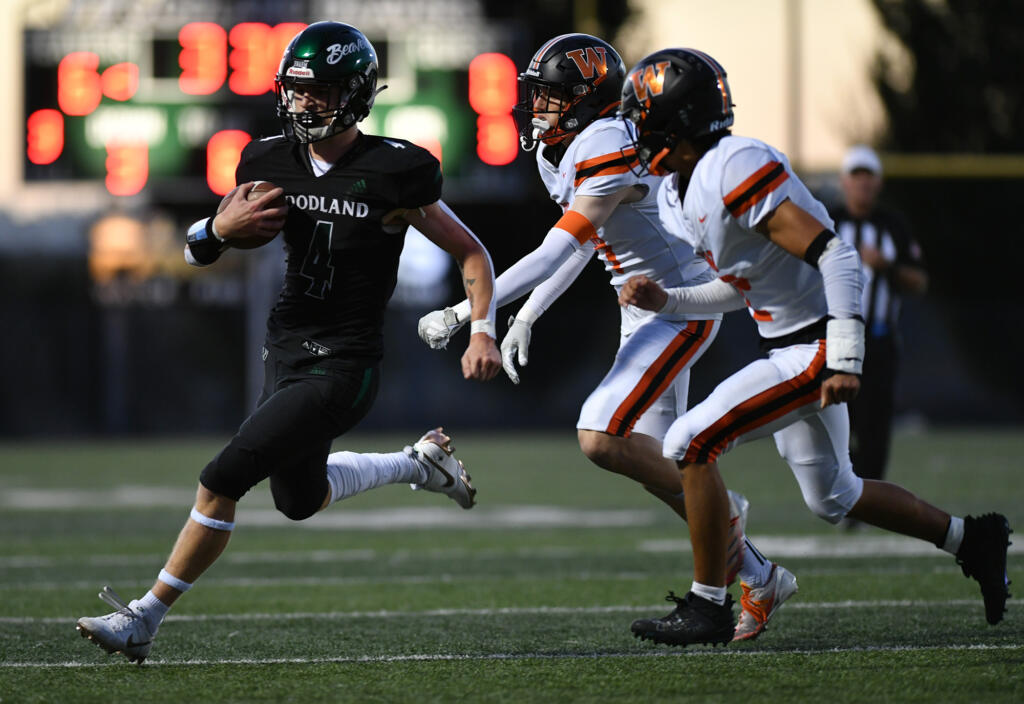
{"type": "Point", "coordinates": [771, 243]}
{"type": "Point", "coordinates": [734, 187]}
{"type": "Point", "coordinates": [610, 208]}
{"type": "Point", "coordinates": [647, 387]}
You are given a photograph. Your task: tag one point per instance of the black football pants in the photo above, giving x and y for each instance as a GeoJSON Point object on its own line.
{"type": "Point", "coordinates": [288, 436]}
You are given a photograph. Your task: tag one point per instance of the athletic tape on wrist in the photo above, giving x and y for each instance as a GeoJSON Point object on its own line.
{"type": "Point", "coordinates": [171, 581]}
{"type": "Point", "coordinates": [484, 326]}
{"type": "Point", "coordinates": [211, 522]}
{"type": "Point", "coordinates": [844, 345]}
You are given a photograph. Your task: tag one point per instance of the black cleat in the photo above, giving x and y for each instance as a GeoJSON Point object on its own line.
{"type": "Point", "coordinates": [694, 620]}
{"type": "Point", "coordinates": [982, 555]}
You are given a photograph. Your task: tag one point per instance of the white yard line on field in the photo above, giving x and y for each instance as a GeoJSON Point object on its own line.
{"type": "Point", "coordinates": [439, 657]}
{"type": "Point", "coordinates": [809, 546]}
{"type": "Point", "coordinates": [508, 611]}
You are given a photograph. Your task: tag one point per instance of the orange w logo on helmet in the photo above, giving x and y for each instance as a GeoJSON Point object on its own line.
{"type": "Point", "coordinates": [590, 60]}
{"type": "Point", "coordinates": [651, 81]}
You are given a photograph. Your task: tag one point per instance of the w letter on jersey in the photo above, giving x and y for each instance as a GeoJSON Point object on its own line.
{"type": "Point", "coordinates": [590, 60]}
{"type": "Point", "coordinates": [650, 82]}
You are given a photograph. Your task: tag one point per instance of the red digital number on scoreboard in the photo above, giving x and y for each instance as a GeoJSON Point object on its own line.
{"type": "Point", "coordinates": [492, 93]}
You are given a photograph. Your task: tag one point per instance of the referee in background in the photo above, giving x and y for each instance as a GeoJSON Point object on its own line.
{"type": "Point", "coordinates": [893, 267]}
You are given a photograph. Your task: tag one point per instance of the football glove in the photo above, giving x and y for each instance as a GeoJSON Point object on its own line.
{"type": "Point", "coordinates": [516, 343]}
{"type": "Point", "coordinates": [437, 327]}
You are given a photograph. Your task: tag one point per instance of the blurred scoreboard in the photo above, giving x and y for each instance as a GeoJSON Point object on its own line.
{"type": "Point", "coordinates": [166, 112]}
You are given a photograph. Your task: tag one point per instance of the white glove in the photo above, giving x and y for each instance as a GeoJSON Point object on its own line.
{"type": "Point", "coordinates": [437, 327]}
{"type": "Point", "coordinates": [516, 340]}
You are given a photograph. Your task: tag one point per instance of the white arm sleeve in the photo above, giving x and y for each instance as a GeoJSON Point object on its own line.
{"type": "Point", "coordinates": [493, 307]}
{"type": "Point", "coordinates": [548, 292]}
{"type": "Point", "coordinates": [531, 270]}
{"type": "Point", "coordinates": [844, 337]}
{"type": "Point", "coordinates": [840, 268]}
{"type": "Point", "coordinates": [712, 297]}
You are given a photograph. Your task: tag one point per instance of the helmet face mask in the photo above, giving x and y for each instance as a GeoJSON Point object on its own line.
{"type": "Point", "coordinates": [571, 81]}
{"type": "Point", "coordinates": [548, 110]}
{"type": "Point", "coordinates": [675, 95]}
{"type": "Point", "coordinates": [315, 110]}
{"type": "Point", "coordinates": [326, 83]}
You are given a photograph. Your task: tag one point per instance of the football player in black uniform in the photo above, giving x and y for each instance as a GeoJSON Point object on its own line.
{"type": "Point", "coordinates": [350, 198]}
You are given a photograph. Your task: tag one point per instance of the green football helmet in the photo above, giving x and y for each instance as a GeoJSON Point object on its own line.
{"type": "Point", "coordinates": [326, 82]}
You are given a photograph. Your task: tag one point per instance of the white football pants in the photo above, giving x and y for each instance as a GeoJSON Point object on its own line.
{"type": "Point", "coordinates": [646, 388]}
{"type": "Point", "coordinates": [778, 396]}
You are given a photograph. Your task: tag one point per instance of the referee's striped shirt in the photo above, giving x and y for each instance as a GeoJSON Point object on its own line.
{"type": "Point", "coordinates": [886, 232]}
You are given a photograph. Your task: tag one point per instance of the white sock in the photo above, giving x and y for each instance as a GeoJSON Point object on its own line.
{"type": "Point", "coordinates": [954, 535]}
{"type": "Point", "coordinates": [715, 594]}
{"type": "Point", "coordinates": [351, 473]}
{"type": "Point", "coordinates": [756, 567]}
{"type": "Point", "coordinates": [153, 610]}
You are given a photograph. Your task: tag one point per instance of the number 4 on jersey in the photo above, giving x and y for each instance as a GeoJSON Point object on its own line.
{"type": "Point", "coordinates": [317, 265]}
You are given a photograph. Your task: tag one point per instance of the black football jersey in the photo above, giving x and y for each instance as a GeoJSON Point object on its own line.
{"type": "Point", "coordinates": [342, 261]}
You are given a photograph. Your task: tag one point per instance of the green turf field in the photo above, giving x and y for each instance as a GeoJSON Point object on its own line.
{"type": "Point", "coordinates": [402, 596]}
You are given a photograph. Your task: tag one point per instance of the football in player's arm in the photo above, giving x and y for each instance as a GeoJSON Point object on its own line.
{"type": "Point", "coordinates": [351, 199]}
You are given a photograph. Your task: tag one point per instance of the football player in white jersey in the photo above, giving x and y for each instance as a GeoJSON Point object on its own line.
{"type": "Point", "coordinates": [569, 94]}
{"type": "Point", "coordinates": [740, 205]}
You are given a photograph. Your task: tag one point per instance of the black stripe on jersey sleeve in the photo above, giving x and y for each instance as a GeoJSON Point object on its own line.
{"type": "Point", "coordinates": [598, 168]}
{"type": "Point", "coordinates": [736, 204]}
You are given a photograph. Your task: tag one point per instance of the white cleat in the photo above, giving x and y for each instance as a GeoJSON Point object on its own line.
{"type": "Point", "coordinates": [124, 631]}
{"type": "Point", "coordinates": [760, 604]}
{"type": "Point", "coordinates": [445, 474]}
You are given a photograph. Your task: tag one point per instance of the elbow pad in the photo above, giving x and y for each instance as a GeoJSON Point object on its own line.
{"type": "Point", "coordinates": [203, 246]}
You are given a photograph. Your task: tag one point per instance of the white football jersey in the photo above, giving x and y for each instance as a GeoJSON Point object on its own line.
{"type": "Point", "coordinates": [735, 185]}
{"type": "Point", "coordinates": [632, 240]}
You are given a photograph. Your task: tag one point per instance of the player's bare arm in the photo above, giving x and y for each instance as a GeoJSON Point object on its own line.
{"type": "Point", "coordinates": [796, 231]}
{"type": "Point", "coordinates": [243, 218]}
{"type": "Point", "coordinates": [481, 360]}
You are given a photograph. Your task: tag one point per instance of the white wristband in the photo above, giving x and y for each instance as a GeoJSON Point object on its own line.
{"type": "Point", "coordinates": [484, 326]}
{"type": "Point", "coordinates": [844, 345]}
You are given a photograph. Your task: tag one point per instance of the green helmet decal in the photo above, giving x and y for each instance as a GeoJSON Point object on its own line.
{"type": "Point", "coordinates": [334, 62]}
